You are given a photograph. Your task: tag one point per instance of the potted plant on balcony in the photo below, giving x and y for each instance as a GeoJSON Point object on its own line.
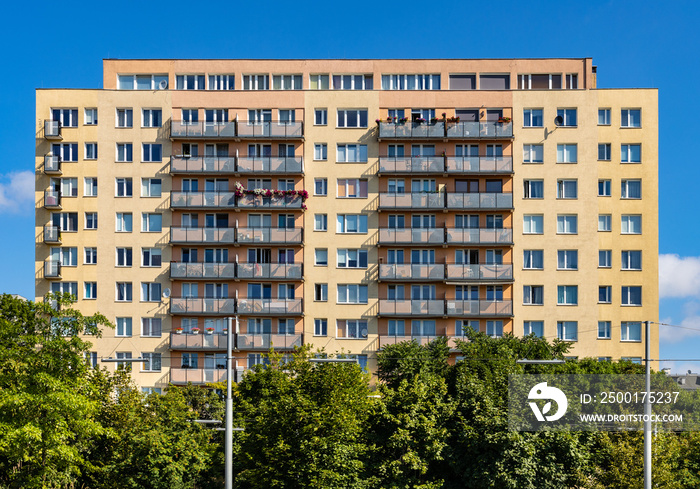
{"type": "Point", "coordinates": [210, 330]}
{"type": "Point", "coordinates": [503, 120]}
{"type": "Point", "coordinates": [194, 330]}
{"type": "Point", "coordinates": [178, 330]}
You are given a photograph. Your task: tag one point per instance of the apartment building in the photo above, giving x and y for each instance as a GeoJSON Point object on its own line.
{"type": "Point", "coordinates": [347, 204]}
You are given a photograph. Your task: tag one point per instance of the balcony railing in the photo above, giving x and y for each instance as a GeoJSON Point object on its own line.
{"type": "Point", "coordinates": [52, 165]}
{"type": "Point", "coordinates": [269, 235]}
{"type": "Point", "coordinates": [52, 199]}
{"type": "Point", "coordinates": [412, 164]}
{"type": "Point", "coordinates": [202, 164]}
{"type": "Point", "coordinates": [265, 341]}
{"type": "Point", "coordinates": [221, 200]}
{"type": "Point", "coordinates": [459, 165]}
{"type": "Point", "coordinates": [479, 308]}
{"type": "Point", "coordinates": [479, 236]}
{"type": "Point", "coordinates": [203, 235]}
{"type": "Point", "coordinates": [52, 269]}
{"type": "Point", "coordinates": [269, 306]}
{"type": "Point", "coordinates": [479, 272]}
{"type": "Point", "coordinates": [417, 200]}
{"type": "Point", "coordinates": [52, 129]}
{"type": "Point", "coordinates": [52, 234]}
{"type": "Point", "coordinates": [187, 130]}
{"type": "Point", "coordinates": [275, 201]}
{"type": "Point", "coordinates": [279, 271]}
{"type": "Point", "coordinates": [419, 307]}
{"type": "Point", "coordinates": [436, 236]}
{"type": "Point", "coordinates": [480, 200]}
{"type": "Point", "coordinates": [270, 164]}
{"type": "Point", "coordinates": [197, 305]}
{"type": "Point", "coordinates": [180, 375]}
{"type": "Point", "coordinates": [270, 129]}
{"type": "Point", "coordinates": [480, 130]}
{"type": "Point", "coordinates": [412, 272]}
{"type": "Point", "coordinates": [479, 164]}
{"type": "Point", "coordinates": [453, 130]}
{"type": "Point", "coordinates": [187, 341]}
{"type": "Point", "coordinates": [419, 236]}
{"type": "Point", "coordinates": [236, 235]}
{"type": "Point", "coordinates": [387, 340]}
{"type": "Point", "coordinates": [196, 271]}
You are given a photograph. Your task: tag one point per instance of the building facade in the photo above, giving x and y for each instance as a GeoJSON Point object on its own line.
{"type": "Point", "coordinates": [347, 204]}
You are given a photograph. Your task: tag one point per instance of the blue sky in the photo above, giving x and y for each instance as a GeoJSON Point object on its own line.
{"type": "Point", "coordinates": [634, 44]}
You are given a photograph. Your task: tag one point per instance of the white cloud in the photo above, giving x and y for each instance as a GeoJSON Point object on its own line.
{"type": "Point", "coordinates": [17, 192]}
{"type": "Point", "coordinates": [688, 328]}
{"type": "Point", "coordinates": [679, 276]}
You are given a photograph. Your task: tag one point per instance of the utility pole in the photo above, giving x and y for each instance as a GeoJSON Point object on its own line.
{"type": "Point", "coordinates": [647, 407]}
{"type": "Point", "coordinates": [229, 404]}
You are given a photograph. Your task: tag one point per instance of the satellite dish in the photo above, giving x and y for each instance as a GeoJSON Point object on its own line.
{"type": "Point", "coordinates": [163, 85]}
{"type": "Point", "coordinates": [364, 333]}
{"type": "Point", "coordinates": [166, 293]}
{"type": "Point", "coordinates": [558, 120]}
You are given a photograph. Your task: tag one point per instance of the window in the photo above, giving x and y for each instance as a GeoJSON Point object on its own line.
{"type": "Point", "coordinates": [320, 222]}
{"type": "Point", "coordinates": [459, 81]}
{"type": "Point", "coordinates": [90, 187]}
{"type": "Point", "coordinates": [256, 82]}
{"type": "Point", "coordinates": [353, 82]}
{"type": "Point", "coordinates": [320, 327]}
{"type": "Point", "coordinates": [90, 117]}
{"type": "Point", "coordinates": [286, 82]}
{"type": "Point", "coordinates": [152, 152]}
{"type": "Point", "coordinates": [69, 187]}
{"type": "Point", "coordinates": [321, 292]}
{"type": "Point", "coordinates": [533, 224]}
{"type": "Point", "coordinates": [190, 116]}
{"type": "Point", "coordinates": [533, 153]}
{"type": "Point", "coordinates": [91, 358]}
{"type": "Point", "coordinates": [534, 189]}
{"type": "Point", "coordinates": [567, 153]}
{"type": "Point", "coordinates": [124, 222]}
{"type": "Point", "coordinates": [189, 82]}
{"type": "Point", "coordinates": [151, 222]}
{"type": "Point", "coordinates": [125, 153]}
{"type": "Point", "coordinates": [603, 330]}
{"type": "Point", "coordinates": [222, 82]}
{"type": "Point", "coordinates": [494, 328]}
{"type": "Point", "coordinates": [631, 118]}
{"type": "Point", "coordinates": [124, 257]}
{"type": "Point", "coordinates": [151, 363]}
{"type": "Point", "coordinates": [320, 186]}
{"type": "Point", "coordinates": [67, 117]}
{"type": "Point", "coordinates": [631, 153]}
{"type": "Point", "coordinates": [631, 295]}
{"type": "Point", "coordinates": [567, 330]}
{"type": "Point", "coordinates": [320, 151]}
{"type": "Point", "coordinates": [631, 224]}
{"type": "Point", "coordinates": [567, 224]}
{"type": "Point", "coordinates": [631, 189]}
{"type": "Point", "coordinates": [567, 189]}
{"type": "Point", "coordinates": [152, 118]}
{"type": "Point", "coordinates": [91, 220]}
{"type": "Point", "coordinates": [604, 188]}
{"type": "Point", "coordinates": [603, 117]}
{"type": "Point", "coordinates": [351, 329]}
{"type": "Point", "coordinates": [123, 327]}
{"type": "Point", "coordinates": [90, 289]}
{"type": "Point", "coordinates": [321, 257]}
{"type": "Point", "coordinates": [351, 223]}
{"type": "Point", "coordinates": [631, 260]}
{"type": "Point", "coordinates": [604, 152]}
{"type": "Point", "coordinates": [151, 327]}
{"type": "Point", "coordinates": [351, 153]}
{"type": "Point", "coordinates": [142, 82]}
{"type": "Point", "coordinates": [90, 151]}
{"type": "Point", "coordinates": [65, 221]}
{"type": "Point", "coordinates": [151, 187]}
{"type": "Point", "coordinates": [65, 151]}
{"type": "Point", "coordinates": [567, 295]}
{"type": "Point", "coordinates": [216, 116]}
{"type": "Point", "coordinates": [124, 290]}
{"type": "Point", "coordinates": [150, 292]}
{"type": "Point", "coordinates": [568, 116]}
{"type": "Point", "coordinates": [125, 118]}
{"type": "Point", "coordinates": [150, 257]}
{"type": "Point", "coordinates": [533, 327]}
{"type": "Point", "coordinates": [533, 259]}
{"type": "Point", "coordinates": [631, 331]}
{"type": "Point", "coordinates": [604, 222]}
{"type": "Point", "coordinates": [604, 258]}
{"type": "Point", "coordinates": [318, 82]}
{"type": "Point", "coordinates": [90, 256]}
{"type": "Point", "coordinates": [66, 256]}
{"type": "Point", "coordinates": [352, 188]}
{"type": "Point", "coordinates": [352, 294]}
{"type": "Point", "coordinates": [604, 294]}
{"type": "Point", "coordinates": [352, 118]}
{"type": "Point", "coordinates": [567, 259]}
{"type": "Point", "coordinates": [411, 82]}
{"type": "Point", "coordinates": [532, 118]}
{"type": "Point", "coordinates": [320, 117]}
{"type": "Point", "coordinates": [352, 258]}
{"type": "Point", "coordinates": [532, 295]}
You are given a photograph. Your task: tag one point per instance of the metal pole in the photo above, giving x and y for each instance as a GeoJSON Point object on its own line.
{"type": "Point", "coordinates": [647, 408]}
{"type": "Point", "coordinates": [229, 404]}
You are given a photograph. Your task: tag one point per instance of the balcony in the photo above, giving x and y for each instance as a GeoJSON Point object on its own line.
{"type": "Point", "coordinates": [269, 271]}
{"type": "Point", "coordinates": [271, 165]}
{"type": "Point", "coordinates": [180, 375]}
{"type": "Point", "coordinates": [52, 269]}
{"type": "Point", "coordinates": [265, 341]}
{"type": "Point", "coordinates": [387, 340]}
{"type": "Point", "coordinates": [413, 272]}
{"type": "Point", "coordinates": [482, 200]}
{"type": "Point", "coordinates": [202, 271]}
{"type": "Point", "coordinates": [199, 200]}
{"type": "Point", "coordinates": [274, 202]}
{"type": "Point", "coordinates": [480, 272]}
{"type": "Point", "coordinates": [187, 341]}
{"type": "Point", "coordinates": [480, 130]}
{"type": "Point", "coordinates": [418, 200]}
{"type": "Point", "coordinates": [270, 129]}
{"type": "Point", "coordinates": [203, 235]}
{"type": "Point", "coordinates": [202, 130]}
{"type": "Point", "coordinates": [412, 164]}
{"type": "Point", "coordinates": [479, 308]}
{"type": "Point", "coordinates": [476, 236]}
{"type": "Point", "coordinates": [449, 130]}
{"type": "Point", "coordinates": [52, 130]}
{"type": "Point", "coordinates": [52, 234]}
{"type": "Point", "coordinates": [418, 236]}
{"type": "Point", "coordinates": [462, 165]}
{"type": "Point", "coordinates": [197, 305]}
{"type": "Point", "coordinates": [282, 236]}
{"type": "Point", "coordinates": [52, 199]}
{"type": "Point", "coordinates": [276, 307]}
{"type": "Point", "coordinates": [416, 307]}
{"type": "Point", "coordinates": [202, 164]}
{"type": "Point", "coordinates": [52, 165]}
{"type": "Point", "coordinates": [412, 130]}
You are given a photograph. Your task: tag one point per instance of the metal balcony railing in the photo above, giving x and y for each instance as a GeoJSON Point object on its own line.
{"type": "Point", "coordinates": [194, 271]}
{"type": "Point", "coordinates": [236, 235]}
{"type": "Point", "coordinates": [275, 201]}
{"type": "Point", "coordinates": [203, 129]}
{"type": "Point", "coordinates": [206, 341]}
{"type": "Point", "coordinates": [480, 200]}
{"type": "Point", "coordinates": [197, 305]}
{"type": "Point", "coordinates": [479, 236]}
{"type": "Point", "coordinates": [269, 235]}
{"type": "Point", "coordinates": [412, 164]}
{"type": "Point", "coordinates": [449, 130]}
{"type": "Point", "coordinates": [416, 200]}
{"type": "Point", "coordinates": [276, 307]}
{"type": "Point", "coordinates": [270, 129]}
{"type": "Point", "coordinates": [203, 235]}
{"type": "Point", "coordinates": [52, 199]}
{"type": "Point", "coordinates": [52, 129]}
{"type": "Point", "coordinates": [415, 307]}
{"type": "Point", "coordinates": [221, 200]}
{"type": "Point", "coordinates": [52, 165]}
{"type": "Point", "coordinates": [419, 272]}
{"type": "Point", "coordinates": [420, 236]}
{"type": "Point", "coordinates": [270, 164]}
{"type": "Point", "coordinates": [202, 164]}
{"type": "Point", "coordinates": [479, 164]}
{"type": "Point", "coordinates": [265, 341]}
{"type": "Point", "coordinates": [52, 269]}
{"type": "Point", "coordinates": [479, 308]}
{"type": "Point", "coordinates": [271, 271]}
{"type": "Point", "coordinates": [183, 375]}
{"type": "Point", "coordinates": [52, 234]}
{"type": "Point", "coordinates": [479, 272]}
